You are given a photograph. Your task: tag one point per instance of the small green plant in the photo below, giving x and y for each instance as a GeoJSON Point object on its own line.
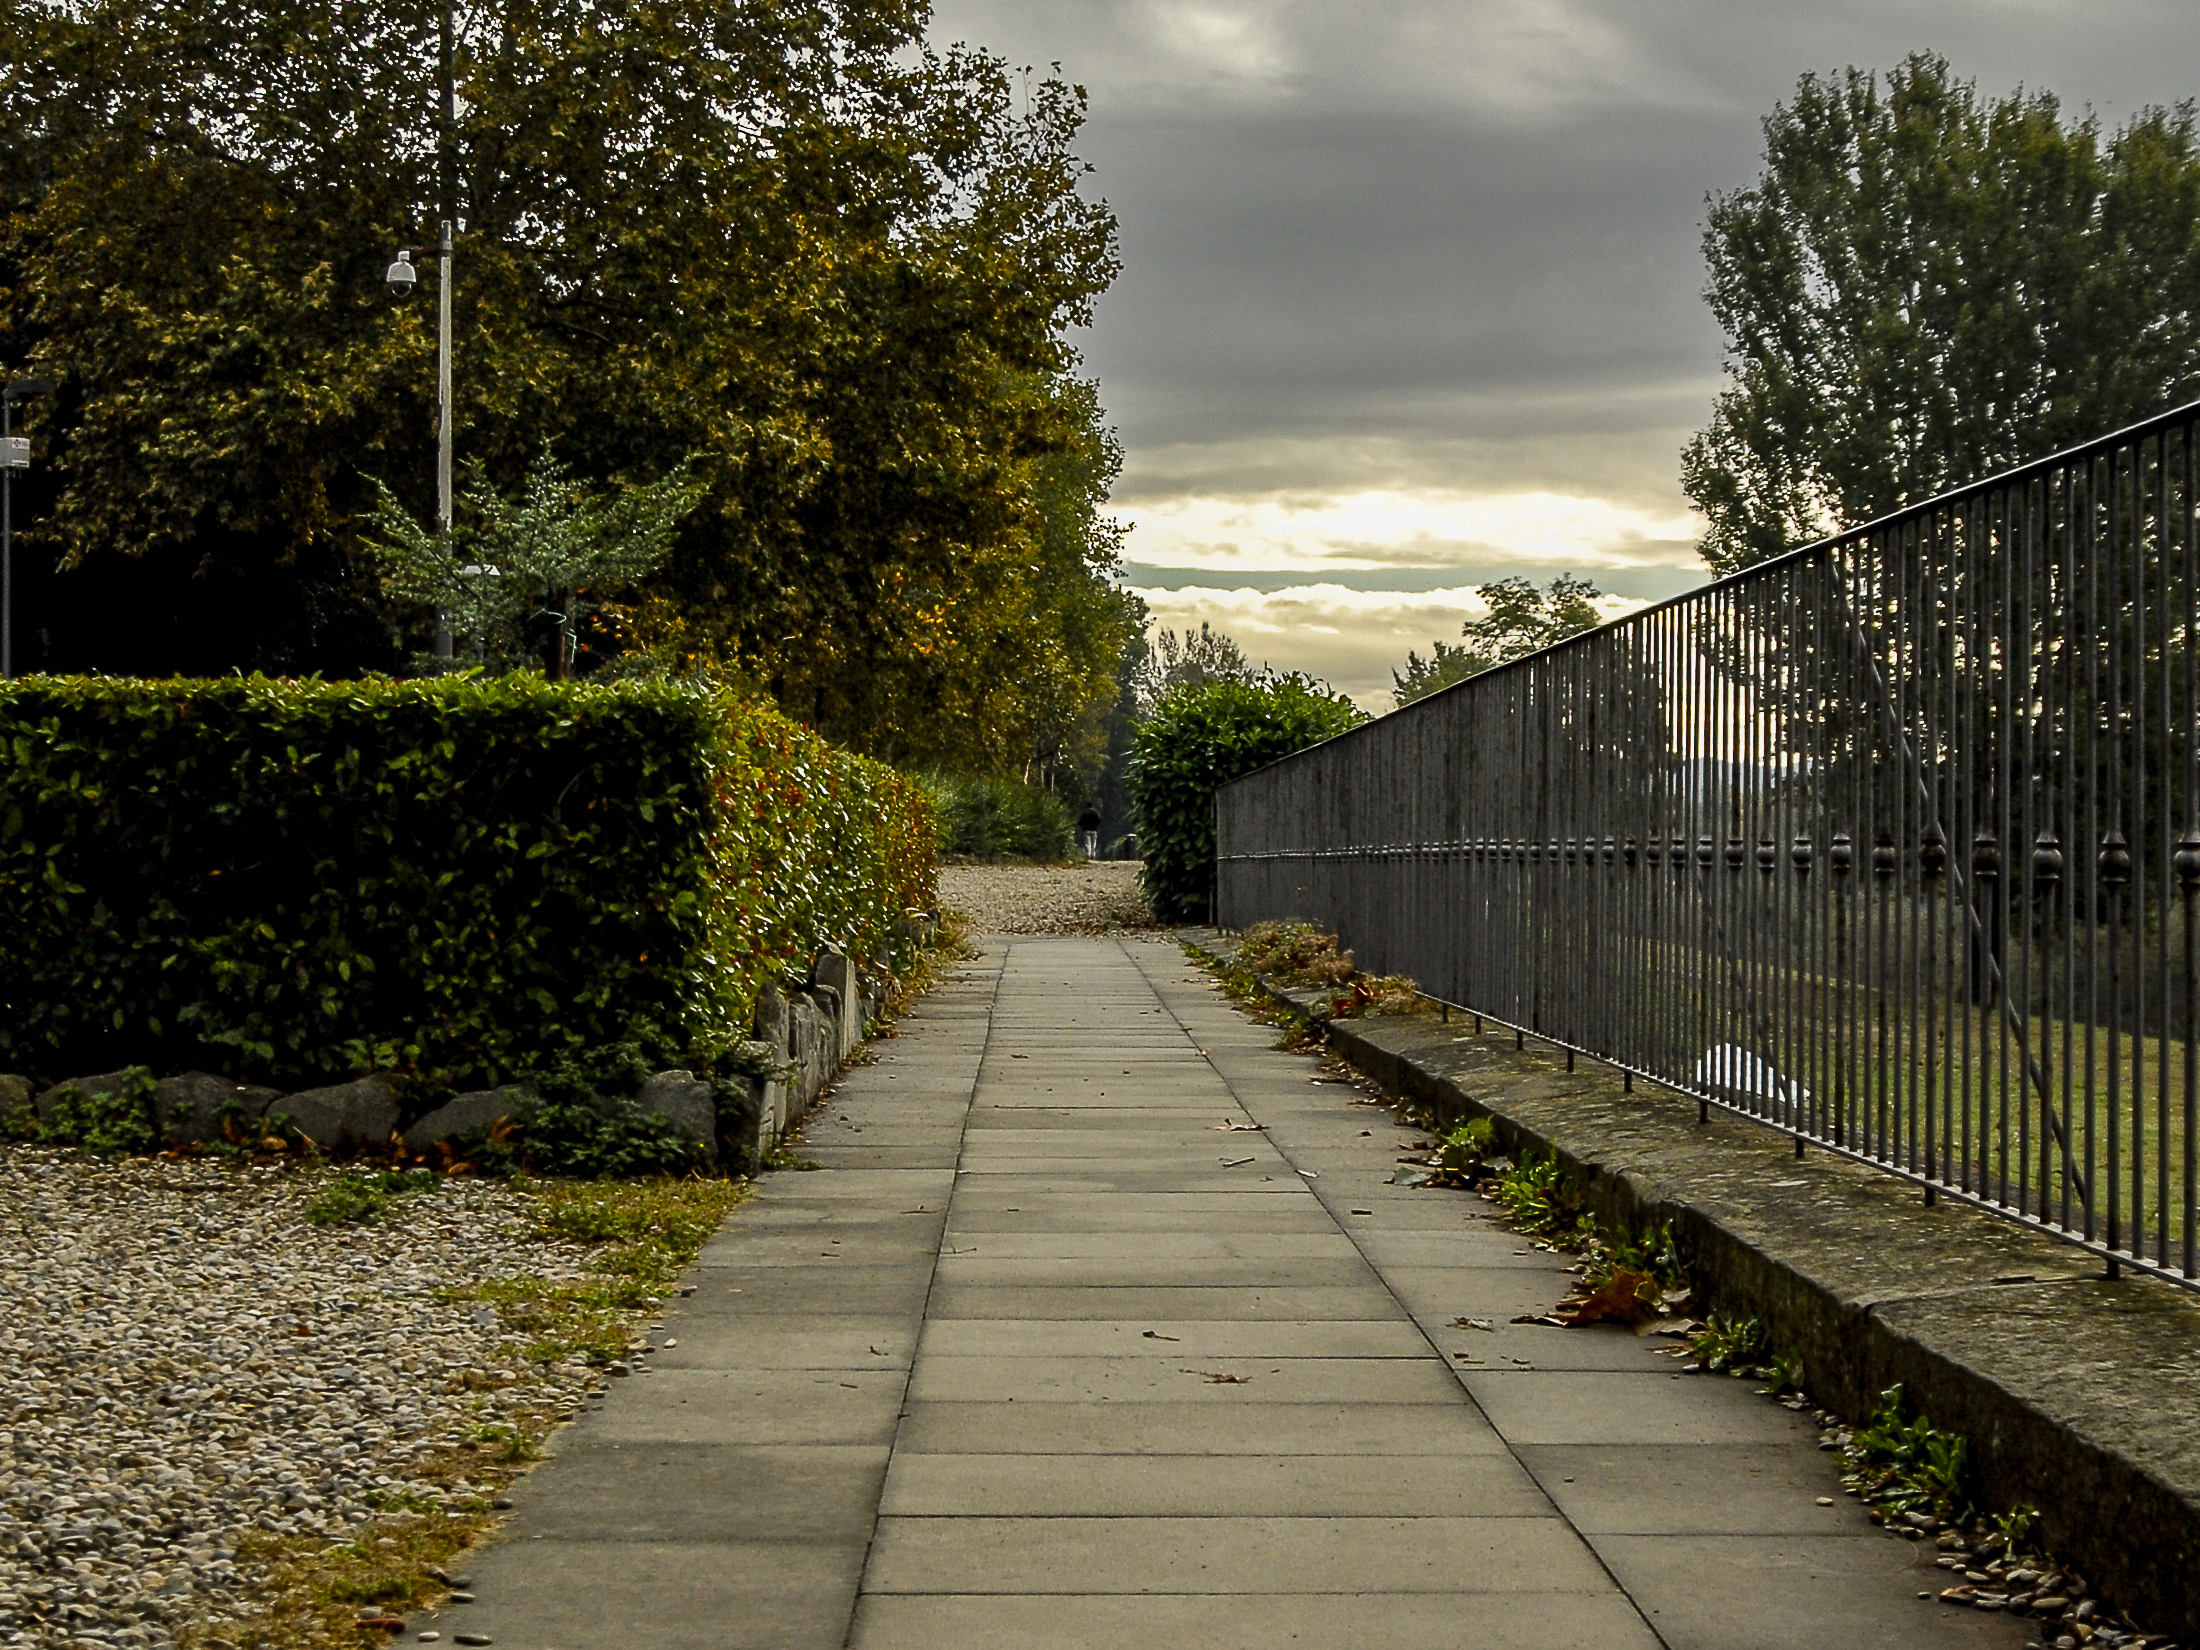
{"type": "Point", "coordinates": [1729, 1345]}
{"type": "Point", "coordinates": [2014, 1530]}
{"type": "Point", "coordinates": [359, 1199]}
{"type": "Point", "coordinates": [1783, 1375]}
{"type": "Point", "coordinates": [1466, 1145]}
{"type": "Point", "coordinates": [116, 1122]}
{"type": "Point", "coordinates": [1905, 1464]}
{"type": "Point", "coordinates": [1536, 1197]}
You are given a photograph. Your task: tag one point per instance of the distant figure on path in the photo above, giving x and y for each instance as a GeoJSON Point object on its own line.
{"type": "Point", "coordinates": [1088, 831]}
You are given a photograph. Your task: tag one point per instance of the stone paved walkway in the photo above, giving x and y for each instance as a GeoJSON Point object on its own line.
{"type": "Point", "coordinates": [1041, 1357]}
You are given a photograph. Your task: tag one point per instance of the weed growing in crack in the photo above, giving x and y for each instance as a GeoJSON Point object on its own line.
{"type": "Point", "coordinates": [1906, 1464]}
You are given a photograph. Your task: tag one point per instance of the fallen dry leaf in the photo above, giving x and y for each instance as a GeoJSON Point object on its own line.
{"type": "Point", "coordinates": [1228, 1127]}
{"type": "Point", "coordinates": [1477, 1323]}
{"type": "Point", "coordinates": [1617, 1300]}
{"type": "Point", "coordinates": [1216, 1378]}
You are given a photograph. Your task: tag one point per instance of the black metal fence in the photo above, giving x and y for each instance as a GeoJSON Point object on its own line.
{"type": "Point", "coordinates": [1892, 843]}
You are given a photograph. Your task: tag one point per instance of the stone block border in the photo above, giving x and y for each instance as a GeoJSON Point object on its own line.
{"type": "Point", "coordinates": [803, 1038]}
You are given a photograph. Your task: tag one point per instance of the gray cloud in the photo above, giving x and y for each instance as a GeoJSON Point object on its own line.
{"type": "Point", "coordinates": [1454, 244]}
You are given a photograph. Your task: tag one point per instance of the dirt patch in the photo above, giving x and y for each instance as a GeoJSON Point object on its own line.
{"type": "Point", "coordinates": [1093, 898]}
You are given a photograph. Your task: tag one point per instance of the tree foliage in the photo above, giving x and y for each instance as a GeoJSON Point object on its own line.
{"type": "Point", "coordinates": [1184, 658]}
{"type": "Point", "coordinates": [1925, 285]}
{"type": "Point", "coordinates": [831, 267]}
{"type": "Point", "coordinates": [514, 573]}
{"type": "Point", "coordinates": [1519, 620]}
{"type": "Point", "coordinates": [1200, 737]}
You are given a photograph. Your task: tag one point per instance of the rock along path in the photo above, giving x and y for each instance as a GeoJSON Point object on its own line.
{"type": "Point", "coordinates": [1042, 1357]}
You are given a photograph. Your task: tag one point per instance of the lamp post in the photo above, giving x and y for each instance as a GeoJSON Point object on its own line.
{"type": "Point", "coordinates": [401, 278]}
{"type": "Point", "coordinates": [15, 454]}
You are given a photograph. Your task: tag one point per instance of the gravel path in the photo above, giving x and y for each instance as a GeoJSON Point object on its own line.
{"type": "Point", "coordinates": [1047, 899]}
{"type": "Point", "coordinates": [183, 1358]}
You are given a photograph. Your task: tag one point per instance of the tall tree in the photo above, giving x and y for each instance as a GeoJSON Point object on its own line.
{"type": "Point", "coordinates": [1518, 619]}
{"type": "Point", "coordinates": [1925, 285]}
{"type": "Point", "coordinates": [783, 240]}
{"type": "Point", "coordinates": [1185, 658]}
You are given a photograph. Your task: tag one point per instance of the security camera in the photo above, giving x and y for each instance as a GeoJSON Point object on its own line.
{"type": "Point", "coordinates": [402, 276]}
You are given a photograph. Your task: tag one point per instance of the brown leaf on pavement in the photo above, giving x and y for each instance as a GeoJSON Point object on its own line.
{"type": "Point", "coordinates": [1618, 1299]}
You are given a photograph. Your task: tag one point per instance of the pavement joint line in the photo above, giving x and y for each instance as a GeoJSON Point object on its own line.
{"type": "Point", "coordinates": [1325, 1197]}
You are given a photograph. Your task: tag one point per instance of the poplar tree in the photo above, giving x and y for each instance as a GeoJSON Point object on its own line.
{"type": "Point", "coordinates": [1925, 285]}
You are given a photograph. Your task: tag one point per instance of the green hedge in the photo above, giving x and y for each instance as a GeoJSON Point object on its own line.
{"type": "Point", "coordinates": [1199, 738]}
{"type": "Point", "coordinates": [465, 880]}
{"type": "Point", "coordinates": [1000, 819]}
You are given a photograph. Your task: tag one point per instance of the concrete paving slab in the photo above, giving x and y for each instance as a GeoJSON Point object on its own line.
{"type": "Point", "coordinates": [1413, 1621]}
{"type": "Point", "coordinates": [1170, 1338]}
{"type": "Point", "coordinates": [1054, 1214]}
{"type": "Point", "coordinates": [1538, 1346]}
{"type": "Point", "coordinates": [658, 1492]}
{"type": "Point", "coordinates": [1190, 1244]}
{"type": "Point", "coordinates": [980, 1270]}
{"type": "Point", "coordinates": [1834, 1593]}
{"type": "Point", "coordinates": [1209, 1486]}
{"type": "Point", "coordinates": [1426, 1432]}
{"type": "Point", "coordinates": [811, 1244]}
{"type": "Point", "coordinates": [791, 1341]}
{"type": "Point", "coordinates": [1269, 1380]}
{"type": "Point", "coordinates": [1694, 1489]}
{"type": "Point", "coordinates": [1456, 1245]}
{"type": "Point", "coordinates": [1574, 1407]}
{"type": "Point", "coordinates": [667, 1595]}
{"type": "Point", "coordinates": [753, 1406]}
{"type": "Point", "coordinates": [842, 1289]}
{"type": "Point", "coordinates": [862, 1155]}
{"type": "Point", "coordinates": [1249, 1302]}
{"type": "Point", "coordinates": [1265, 1555]}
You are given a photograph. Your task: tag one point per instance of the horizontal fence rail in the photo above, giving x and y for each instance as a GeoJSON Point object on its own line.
{"type": "Point", "coordinates": [1892, 843]}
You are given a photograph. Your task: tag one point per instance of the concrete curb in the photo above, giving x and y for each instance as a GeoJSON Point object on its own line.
{"type": "Point", "coordinates": [2078, 1395]}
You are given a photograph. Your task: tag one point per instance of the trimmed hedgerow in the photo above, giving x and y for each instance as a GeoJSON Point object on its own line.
{"type": "Point", "coordinates": [468, 879]}
{"type": "Point", "coordinates": [1198, 739]}
{"type": "Point", "coordinates": [1000, 819]}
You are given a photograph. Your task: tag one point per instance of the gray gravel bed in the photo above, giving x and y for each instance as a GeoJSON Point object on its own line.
{"type": "Point", "coordinates": [183, 1357]}
{"type": "Point", "coordinates": [1091, 898]}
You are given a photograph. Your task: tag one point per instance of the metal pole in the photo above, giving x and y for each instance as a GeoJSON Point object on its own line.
{"type": "Point", "coordinates": [7, 549]}
{"type": "Point", "coordinates": [445, 186]}
{"type": "Point", "coordinates": [443, 424]}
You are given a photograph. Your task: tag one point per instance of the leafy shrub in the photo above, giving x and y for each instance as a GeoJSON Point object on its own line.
{"type": "Point", "coordinates": [592, 1141]}
{"type": "Point", "coordinates": [1294, 953]}
{"type": "Point", "coordinates": [117, 1123]}
{"type": "Point", "coordinates": [999, 819]}
{"type": "Point", "coordinates": [1199, 738]}
{"type": "Point", "coordinates": [467, 880]}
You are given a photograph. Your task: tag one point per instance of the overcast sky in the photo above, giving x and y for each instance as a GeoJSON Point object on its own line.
{"type": "Point", "coordinates": [1412, 288]}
